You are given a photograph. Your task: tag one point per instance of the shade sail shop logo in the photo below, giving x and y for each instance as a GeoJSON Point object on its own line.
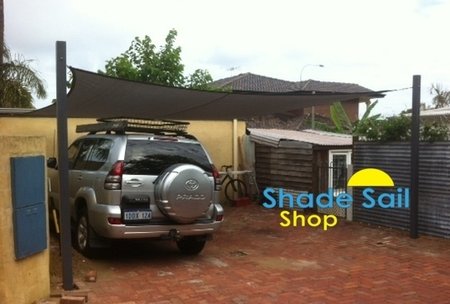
{"type": "Point", "coordinates": [367, 178]}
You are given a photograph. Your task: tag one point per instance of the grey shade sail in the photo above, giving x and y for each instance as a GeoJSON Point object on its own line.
{"type": "Point", "coordinates": [94, 95]}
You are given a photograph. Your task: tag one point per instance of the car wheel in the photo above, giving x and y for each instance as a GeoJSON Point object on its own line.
{"type": "Point", "coordinates": [83, 234]}
{"type": "Point", "coordinates": [190, 245]}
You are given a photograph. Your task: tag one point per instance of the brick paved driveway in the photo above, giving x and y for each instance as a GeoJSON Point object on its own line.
{"type": "Point", "coordinates": [253, 260]}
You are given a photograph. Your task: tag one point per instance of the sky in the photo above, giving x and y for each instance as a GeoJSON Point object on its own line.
{"type": "Point", "coordinates": [378, 44]}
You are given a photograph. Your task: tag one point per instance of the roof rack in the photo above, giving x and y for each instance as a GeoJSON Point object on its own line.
{"type": "Point", "coordinates": [121, 125]}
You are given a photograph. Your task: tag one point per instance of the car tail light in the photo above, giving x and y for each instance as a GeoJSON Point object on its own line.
{"type": "Point", "coordinates": [113, 180]}
{"type": "Point", "coordinates": [219, 217]}
{"type": "Point", "coordinates": [115, 220]}
{"type": "Point", "coordinates": [217, 181]}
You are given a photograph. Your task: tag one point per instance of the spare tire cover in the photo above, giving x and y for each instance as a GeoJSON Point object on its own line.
{"type": "Point", "coordinates": [184, 192]}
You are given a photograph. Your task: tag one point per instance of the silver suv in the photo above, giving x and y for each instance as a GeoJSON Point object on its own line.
{"type": "Point", "coordinates": [157, 184]}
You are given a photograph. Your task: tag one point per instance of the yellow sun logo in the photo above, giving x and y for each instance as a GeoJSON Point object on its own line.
{"type": "Point", "coordinates": [370, 177]}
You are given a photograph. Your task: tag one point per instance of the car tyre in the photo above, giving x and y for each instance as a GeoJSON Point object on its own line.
{"type": "Point", "coordinates": [190, 245]}
{"type": "Point", "coordinates": [83, 234]}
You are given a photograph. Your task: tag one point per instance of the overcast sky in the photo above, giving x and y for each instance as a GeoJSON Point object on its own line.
{"type": "Point", "coordinates": [379, 44]}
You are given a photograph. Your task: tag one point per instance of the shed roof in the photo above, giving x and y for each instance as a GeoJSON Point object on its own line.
{"type": "Point", "coordinates": [273, 137]}
{"type": "Point", "coordinates": [435, 112]}
{"type": "Point", "coordinates": [13, 111]}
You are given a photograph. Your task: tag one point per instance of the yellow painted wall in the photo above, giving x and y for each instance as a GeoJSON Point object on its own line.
{"type": "Point", "coordinates": [216, 136]}
{"type": "Point", "coordinates": [15, 126]}
{"type": "Point", "coordinates": [27, 280]}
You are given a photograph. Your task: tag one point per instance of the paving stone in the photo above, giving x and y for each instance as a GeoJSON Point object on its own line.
{"type": "Point", "coordinates": [72, 300]}
{"type": "Point", "coordinates": [350, 263]}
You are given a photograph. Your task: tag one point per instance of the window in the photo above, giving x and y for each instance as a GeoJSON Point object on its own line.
{"type": "Point", "coordinates": [83, 154]}
{"type": "Point", "coordinates": [146, 157]}
{"type": "Point", "coordinates": [73, 152]}
{"type": "Point", "coordinates": [99, 154]}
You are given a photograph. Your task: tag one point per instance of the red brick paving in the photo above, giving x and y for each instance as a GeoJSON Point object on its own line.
{"type": "Point", "coordinates": [253, 260]}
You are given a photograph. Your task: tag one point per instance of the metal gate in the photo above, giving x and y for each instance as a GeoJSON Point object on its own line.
{"type": "Point", "coordinates": [332, 178]}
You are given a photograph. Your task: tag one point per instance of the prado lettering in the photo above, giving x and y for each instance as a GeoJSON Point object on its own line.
{"type": "Point", "coordinates": [366, 177]}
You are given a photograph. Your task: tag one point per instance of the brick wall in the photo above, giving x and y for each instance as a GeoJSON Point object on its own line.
{"type": "Point", "coordinates": [351, 107]}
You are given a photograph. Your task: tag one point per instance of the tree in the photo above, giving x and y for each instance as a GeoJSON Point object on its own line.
{"type": "Point", "coordinates": [2, 31]}
{"type": "Point", "coordinates": [18, 81]}
{"type": "Point", "coordinates": [343, 124]}
{"type": "Point", "coordinates": [340, 118]}
{"type": "Point", "coordinates": [200, 80]}
{"type": "Point", "coordinates": [144, 62]}
{"type": "Point", "coordinates": [441, 97]}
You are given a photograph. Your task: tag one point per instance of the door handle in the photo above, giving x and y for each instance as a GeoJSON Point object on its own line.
{"type": "Point", "coordinates": [134, 182]}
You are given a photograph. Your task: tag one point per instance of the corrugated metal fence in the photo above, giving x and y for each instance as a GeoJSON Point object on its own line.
{"type": "Point", "coordinates": [434, 181]}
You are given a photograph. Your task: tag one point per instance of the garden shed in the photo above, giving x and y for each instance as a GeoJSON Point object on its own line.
{"type": "Point", "coordinates": [301, 161]}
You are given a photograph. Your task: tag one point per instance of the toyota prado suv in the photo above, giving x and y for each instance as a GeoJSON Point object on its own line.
{"type": "Point", "coordinates": [152, 183]}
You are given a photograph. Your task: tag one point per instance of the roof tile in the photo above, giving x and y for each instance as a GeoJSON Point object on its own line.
{"type": "Point", "coordinates": [258, 83]}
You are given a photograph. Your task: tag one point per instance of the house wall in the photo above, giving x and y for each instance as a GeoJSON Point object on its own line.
{"type": "Point", "coordinates": [351, 108]}
{"type": "Point", "coordinates": [26, 280]}
{"type": "Point", "coordinates": [295, 120]}
{"type": "Point", "coordinates": [216, 136]}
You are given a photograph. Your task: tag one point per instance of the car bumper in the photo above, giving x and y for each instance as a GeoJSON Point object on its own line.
{"type": "Point", "coordinates": [103, 228]}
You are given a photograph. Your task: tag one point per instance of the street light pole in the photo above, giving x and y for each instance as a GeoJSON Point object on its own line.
{"type": "Point", "coordinates": [313, 122]}
{"type": "Point", "coordinates": [309, 65]}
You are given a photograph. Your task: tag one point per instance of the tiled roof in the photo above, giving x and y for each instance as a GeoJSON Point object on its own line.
{"type": "Point", "coordinates": [254, 83]}
{"type": "Point", "coordinates": [273, 137]}
{"type": "Point", "coordinates": [258, 83]}
{"type": "Point", "coordinates": [323, 86]}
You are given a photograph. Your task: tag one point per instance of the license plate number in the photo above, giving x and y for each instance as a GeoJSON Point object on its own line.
{"type": "Point", "coordinates": [138, 215]}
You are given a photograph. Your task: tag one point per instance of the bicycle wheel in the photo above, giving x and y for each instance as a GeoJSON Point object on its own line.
{"type": "Point", "coordinates": [235, 189]}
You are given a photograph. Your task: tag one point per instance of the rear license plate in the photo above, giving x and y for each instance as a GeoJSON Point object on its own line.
{"type": "Point", "coordinates": [138, 215]}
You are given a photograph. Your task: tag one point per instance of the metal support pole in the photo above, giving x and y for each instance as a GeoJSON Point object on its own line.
{"type": "Point", "coordinates": [235, 146]}
{"type": "Point", "coordinates": [63, 164]}
{"type": "Point", "coordinates": [415, 133]}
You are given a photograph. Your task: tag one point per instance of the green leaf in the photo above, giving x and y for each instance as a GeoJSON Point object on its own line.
{"type": "Point", "coordinates": [340, 118]}
{"type": "Point", "coordinates": [18, 82]}
{"type": "Point", "coordinates": [369, 109]}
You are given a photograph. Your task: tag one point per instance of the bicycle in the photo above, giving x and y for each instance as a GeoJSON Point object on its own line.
{"type": "Point", "coordinates": [235, 188]}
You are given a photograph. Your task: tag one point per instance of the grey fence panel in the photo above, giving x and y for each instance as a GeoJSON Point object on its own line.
{"type": "Point", "coordinates": [394, 159]}
{"type": "Point", "coordinates": [434, 184]}
{"type": "Point", "coordinates": [434, 189]}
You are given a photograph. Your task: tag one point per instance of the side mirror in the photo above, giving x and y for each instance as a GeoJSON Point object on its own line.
{"type": "Point", "coordinates": [52, 163]}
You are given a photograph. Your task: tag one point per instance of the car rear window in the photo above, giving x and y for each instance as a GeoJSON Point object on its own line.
{"type": "Point", "coordinates": [148, 157]}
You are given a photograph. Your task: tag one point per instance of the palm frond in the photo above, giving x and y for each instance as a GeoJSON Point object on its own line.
{"type": "Point", "coordinates": [18, 82]}
{"type": "Point", "coordinates": [340, 118]}
{"type": "Point", "coordinates": [369, 109]}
